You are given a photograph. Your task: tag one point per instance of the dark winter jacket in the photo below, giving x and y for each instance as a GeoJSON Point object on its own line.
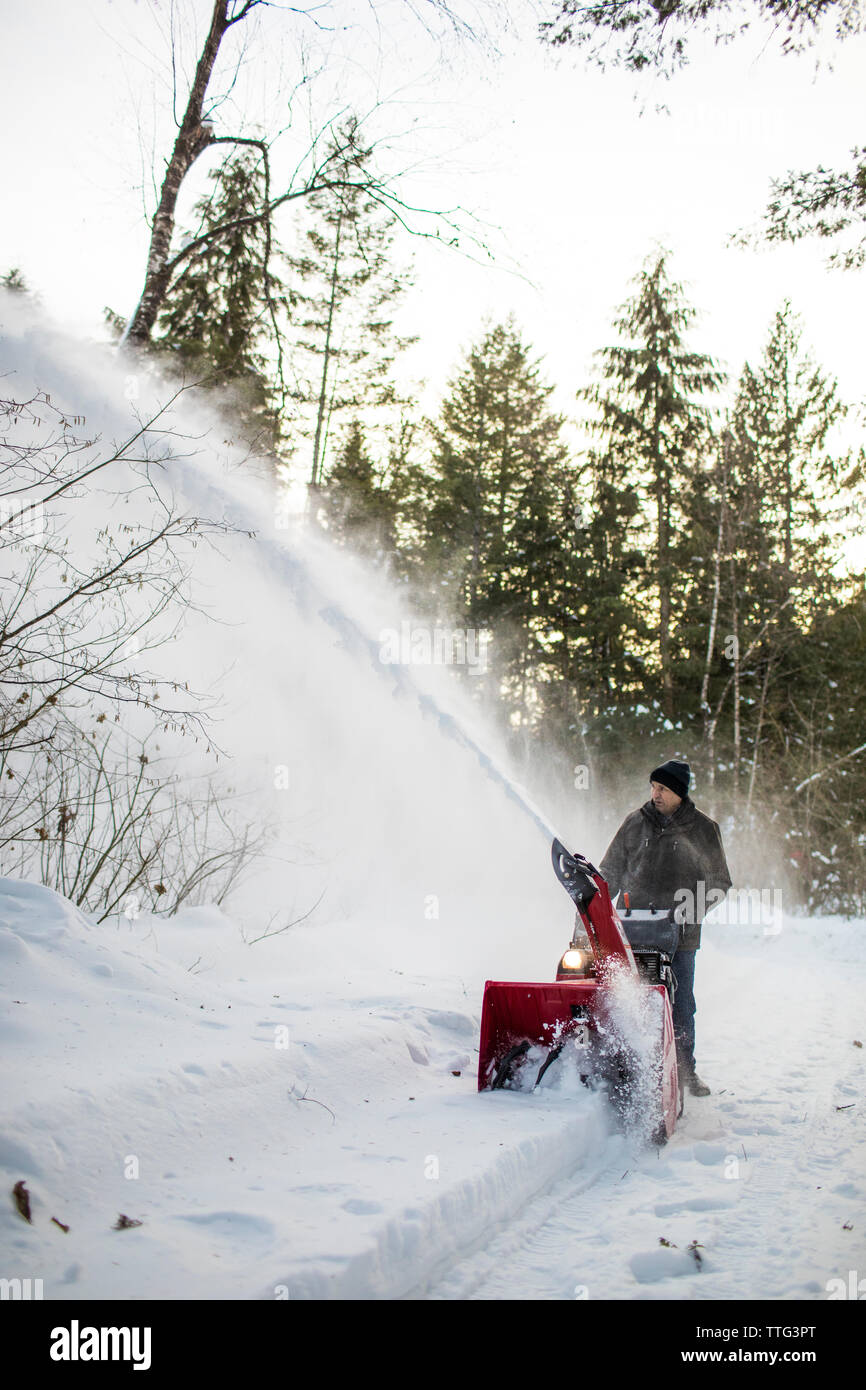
{"type": "Point", "coordinates": [664, 864]}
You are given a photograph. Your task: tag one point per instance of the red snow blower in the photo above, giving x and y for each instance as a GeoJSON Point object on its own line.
{"type": "Point", "coordinates": [609, 1009]}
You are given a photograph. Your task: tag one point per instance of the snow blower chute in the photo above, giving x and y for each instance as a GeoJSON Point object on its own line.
{"type": "Point", "coordinates": [613, 970]}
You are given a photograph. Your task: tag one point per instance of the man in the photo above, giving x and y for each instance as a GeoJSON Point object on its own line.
{"type": "Point", "coordinates": [659, 856]}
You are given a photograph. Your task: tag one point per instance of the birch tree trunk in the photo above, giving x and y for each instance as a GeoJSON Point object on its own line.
{"type": "Point", "coordinates": [759, 725]}
{"type": "Point", "coordinates": [193, 138]}
{"type": "Point", "coordinates": [736, 673]}
{"type": "Point", "coordinates": [710, 723]}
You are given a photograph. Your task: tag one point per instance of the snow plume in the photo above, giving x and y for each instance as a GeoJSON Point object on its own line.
{"type": "Point", "coordinates": [374, 817]}
{"type": "Point", "coordinates": [620, 1056]}
{"type": "Point", "coordinates": [629, 1033]}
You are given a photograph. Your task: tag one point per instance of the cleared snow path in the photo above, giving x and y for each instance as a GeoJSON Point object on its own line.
{"type": "Point", "coordinates": [767, 1175]}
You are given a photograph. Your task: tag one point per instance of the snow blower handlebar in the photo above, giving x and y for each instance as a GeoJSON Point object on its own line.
{"type": "Point", "coordinates": [589, 892]}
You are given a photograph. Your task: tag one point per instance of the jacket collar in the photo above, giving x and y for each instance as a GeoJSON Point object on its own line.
{"type": "Point", "coordinates": [683, 815]}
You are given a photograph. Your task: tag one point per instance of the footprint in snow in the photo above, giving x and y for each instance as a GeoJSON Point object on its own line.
{"type": "Point", "coordinates": [15, 1156]}
{"type": "Point", "coordinates": [454, 1022]}
{"type": "Point", "coordinates": [231, 1223]}
{"type": "Point", "coordinates": [710, 1153]}
{"type": "Point", "coordinates": [846, 1189]}
{"type": "Point", "coordinates": [693, 1204]}
{"type": "Point", "coordinates": [358, 1207]}
{"type": "Point", "coordinates": [651, 1266]}
{"type": "Point", "coordinates": [701, 1152]}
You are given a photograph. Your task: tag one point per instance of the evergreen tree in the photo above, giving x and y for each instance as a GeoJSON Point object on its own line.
{"type": "Point", "coordinates": [498, 522]}
{"type": "Point", "coordinates": [345, 291]}
{"type": "Point", "coordinates": [220, 317]}
{"type": "Point", "coordinates": [766, 575]}
{"type": "Point", "coordinates": [652, 420]}
{"type": "Point", "coordinates": [358, 508]}
{"type": "Point", "coordinates": [778, 708]}
{"type": "Point", "coordinates": [783, 418]}
{"type": "Point", "coordinates": [604, 612]}
{"type": "Point", "coordinates": [722, 548]}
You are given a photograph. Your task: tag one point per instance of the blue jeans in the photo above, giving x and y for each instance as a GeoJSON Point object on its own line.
{"type": "Point", "coordinates": [684, 1011]}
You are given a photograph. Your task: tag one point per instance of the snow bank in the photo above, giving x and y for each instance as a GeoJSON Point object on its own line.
{"type": "Point", "coordinates": [276, 1135]}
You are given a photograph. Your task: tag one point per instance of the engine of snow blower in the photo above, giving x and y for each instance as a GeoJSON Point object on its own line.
{"type": "Point", "coordinates": [526, 1028]}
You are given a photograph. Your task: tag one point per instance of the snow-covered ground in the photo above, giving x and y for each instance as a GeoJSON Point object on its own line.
{"type": "Point", "coordinates": [297, 1116]}
{"type": "Point", "coordinates": [285, 1122]}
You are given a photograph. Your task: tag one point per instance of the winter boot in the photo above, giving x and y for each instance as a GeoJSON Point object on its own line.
{"type": "Point", "coordinates": [695, 1086]}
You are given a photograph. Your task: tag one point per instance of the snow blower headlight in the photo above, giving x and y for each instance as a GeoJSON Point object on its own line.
{"type": "Point", "coordinates": [575, 962]}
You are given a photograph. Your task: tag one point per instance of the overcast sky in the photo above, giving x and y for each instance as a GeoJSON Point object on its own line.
{"type": "Point", "coordinates": [574, 179]}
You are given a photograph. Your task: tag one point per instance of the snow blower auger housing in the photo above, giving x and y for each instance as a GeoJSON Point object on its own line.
{"type": "Point", "coordinates": [526, 1028]}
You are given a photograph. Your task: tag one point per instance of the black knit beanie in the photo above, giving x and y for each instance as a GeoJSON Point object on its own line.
{"type": "Point", "coordinates": [674, 776]}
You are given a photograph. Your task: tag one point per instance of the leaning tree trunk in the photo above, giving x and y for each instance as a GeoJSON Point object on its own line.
{"type": "Point", "coordinates": [193, 137]}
